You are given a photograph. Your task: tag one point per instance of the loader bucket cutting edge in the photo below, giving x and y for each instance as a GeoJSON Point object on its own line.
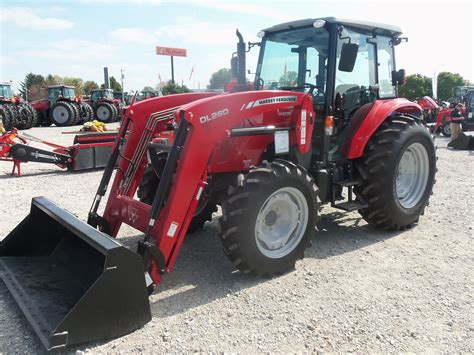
{"type": "Point", "coordinates": [73, 283]}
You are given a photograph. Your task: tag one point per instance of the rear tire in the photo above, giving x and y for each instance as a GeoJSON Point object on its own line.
{"type": "Point", "coordinates": [34, 115]}
{"type": "Point", "coordinates": [63, 114]}
{"type": "Point", "coordinates": [398, 173]}
{"type": "Point", "coordinates": [267, 222]}
{"type": "Point", "coordinates": [23, 116]}
{"type": "Point", "coordinates": [105, 112]}
{"type": "Point", "coordinates": [89, 113]}
{"type": "Point", "coordinates": [8, 117]}
{"type": "Point", "coordinates": [147, 190]}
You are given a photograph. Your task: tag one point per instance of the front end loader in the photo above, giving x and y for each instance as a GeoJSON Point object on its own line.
{"type": "Point", "coordinates": [322, 125]}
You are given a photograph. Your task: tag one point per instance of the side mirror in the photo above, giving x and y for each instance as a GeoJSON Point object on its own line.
{"type": "Point", "coordinates": [399, 77]}
{"type": "Point", "coordinates": [234, 64]}
{"type": "Point", "coordinates": [348, 57]}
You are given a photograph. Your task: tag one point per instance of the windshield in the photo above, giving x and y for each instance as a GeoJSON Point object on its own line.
{"type": "Point", "coordinates": [54, 93]}
{"type": "Point", "coordinates": [96, 95]}
{"type": "Point", "coordinates": [294, 58]}
{"type": "Point", "coordinates": [69, 93]}
{"type": "Point", "coordinates": [6, 91]}
{"type": "Point", "coordinates": [108, 94]}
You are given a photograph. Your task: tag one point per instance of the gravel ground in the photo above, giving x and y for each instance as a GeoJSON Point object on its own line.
{"type": "Point", "coordinates": [357, 290]}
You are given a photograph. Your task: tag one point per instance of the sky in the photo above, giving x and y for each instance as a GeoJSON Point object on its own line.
{"type": "Point", "coordinates": [78, 38]}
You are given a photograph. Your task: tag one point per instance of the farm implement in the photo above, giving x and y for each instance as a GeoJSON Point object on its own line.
{"type": "Point", "coordinates": [89, 151]}
{"type": "Point", "coordinates": [322, 117]}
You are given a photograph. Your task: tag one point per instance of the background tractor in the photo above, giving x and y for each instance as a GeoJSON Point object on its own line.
{"type": "Point", "coordinates": [15, 112]}
{"type": "Point", "coordinates": [321, 125]}
{"type": "Point", "coordinates": [106, 107]}
{"type": "Point", "coordinates": [62, 107]}
{"type": "Point", "coordinates": [442, 121]}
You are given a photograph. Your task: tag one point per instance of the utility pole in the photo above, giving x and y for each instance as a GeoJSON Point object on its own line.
{"type": "Point", "coordinates": [122, 76]}
{"type": "Point", "coordinates": [172, 70]}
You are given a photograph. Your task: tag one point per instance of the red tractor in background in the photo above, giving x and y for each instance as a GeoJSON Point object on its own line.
{"type": "Point", "coordinates": [439, 118]}
{"type": "Point", "coordinates": [14, 112]}
{"type": "Point", "coordinates": [106, 107]}
{"type": "Point", "coordinates": [321, 125]}
{"type": "Point", "coordinates": [62, 107]}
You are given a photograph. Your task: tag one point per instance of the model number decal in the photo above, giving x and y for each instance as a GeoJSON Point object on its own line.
{"type": "Point", "coordinates": [213, 116]}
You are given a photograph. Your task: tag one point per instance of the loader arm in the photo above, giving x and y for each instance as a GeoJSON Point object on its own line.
{"type": "Point", "coordinates": [208, 122]}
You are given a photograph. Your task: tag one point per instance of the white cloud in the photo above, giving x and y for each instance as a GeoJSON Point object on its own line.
{"type": "Point", "coordinates": [133, 2]}
{"type": "Point", "coordinates": [184, 31]}
{"type": "Point", "coordinates": [29, 18]}
{"type": "Point", "coordinates": [191, 30]}
{"type": "Point", "coordinates": [74, 50]}
{"type": "Point", "coordinates": [246, 8]}
{"type": "Point", "coordinates": [6, 60]}
{"type": "Point", "coordinates": [133, 35]}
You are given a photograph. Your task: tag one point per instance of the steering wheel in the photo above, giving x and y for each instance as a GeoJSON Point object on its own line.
{"type": "Point", "coordinates": [305, 85]}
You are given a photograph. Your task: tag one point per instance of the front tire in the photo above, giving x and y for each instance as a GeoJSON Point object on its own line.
{"type": "Point", "coordinates": [267, 222]}
{"type": "Point", "coordinates": [446, 129]}
{"type": "Point", "coordinates": [398, 173]}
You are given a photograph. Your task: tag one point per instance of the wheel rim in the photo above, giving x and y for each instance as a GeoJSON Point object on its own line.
{"type": "Point", "coordinates": [103, 113]}
{"type": "Point", "coordinates": [412, 178]}
{"type": "Point", "coordinates": [281, 222]}
{"type": "Point", "coordinates": [60, 114]}
{"type": "Point", "coordinates": [447, 129]}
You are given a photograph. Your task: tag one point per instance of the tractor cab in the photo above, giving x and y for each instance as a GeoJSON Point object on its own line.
{"type": "Point", "coordinates": [60, 91]}
{"type": "Point", "coordinates": [345, 65]}
{"type": "Point", "coordinates": [143, 95]}
{"type": "Point", "coordinates": [6, 92]}
{"type": "Point", "coordinates": [100, 94]}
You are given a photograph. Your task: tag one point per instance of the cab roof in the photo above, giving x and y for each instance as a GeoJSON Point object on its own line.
{"type": "Point", "coordinates": [374, 27]}
{"type": "Point", "coordinates": [61, 86]}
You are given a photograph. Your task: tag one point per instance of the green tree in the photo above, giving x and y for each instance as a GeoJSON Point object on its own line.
{"type": "Point", "coordinates": [172, 88]}
{"type": "Point", "coordinates": [447, 82]}
{"type": "Point", "coordinates": [90, 85]}
{"type": "Point", "coordinates": [148, 88]}
{"type": "Point", "coordinates": [78, 84]}
{"type": "Point", "coordinates": [416, 86]}
{"type": "Point", "coordinates": [115, 85]}
{"type": "Point", "coordinates": [30, 80]}
{"type": "Point", "coordinates": [288, 79]}
{"type": "Point", "coordinates": [219, 79]}
{"type": "Point", "coordinates": [53, 80]}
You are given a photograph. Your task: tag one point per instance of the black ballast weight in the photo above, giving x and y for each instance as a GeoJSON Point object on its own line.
{"type": "Point", "coordinates": [73, 283]}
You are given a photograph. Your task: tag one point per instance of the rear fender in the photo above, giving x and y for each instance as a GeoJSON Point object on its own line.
{"type": "Point", "coordinates": [369, 123]}
{"type": "Point", "coordinates": [40, 105]}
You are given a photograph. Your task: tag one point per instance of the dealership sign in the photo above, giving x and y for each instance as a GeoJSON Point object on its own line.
{"type": "Point", "coordinates": [174, 52]}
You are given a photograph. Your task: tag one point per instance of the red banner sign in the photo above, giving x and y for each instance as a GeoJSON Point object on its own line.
{"type": "Point", "coordinates": [175, 52]}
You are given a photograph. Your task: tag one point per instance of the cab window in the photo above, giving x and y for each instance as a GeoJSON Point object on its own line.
{"type": "Point", "coordinates": [353, 89]}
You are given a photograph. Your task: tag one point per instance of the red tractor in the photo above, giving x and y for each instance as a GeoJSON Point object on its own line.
{"type": "Point", "coordinates": [442, 116]}
{"type": "Point", "coordinates": [269, 158]}
{"type": "Point", "coordinates": [14, 112]}
{"type": "Point", "coordinates": [106, 107]}
{"type": "Point", "coordinates": [63, 107]}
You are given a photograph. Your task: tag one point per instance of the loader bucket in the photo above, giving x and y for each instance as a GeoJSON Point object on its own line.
{"type": "Point", "coordinates": [73, 283]}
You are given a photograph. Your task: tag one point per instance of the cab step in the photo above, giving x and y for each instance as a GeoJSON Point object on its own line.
{"type": "Point", "coordinates": [348, 183]}
{"type": "Point", "coordinates": [350, 206]}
